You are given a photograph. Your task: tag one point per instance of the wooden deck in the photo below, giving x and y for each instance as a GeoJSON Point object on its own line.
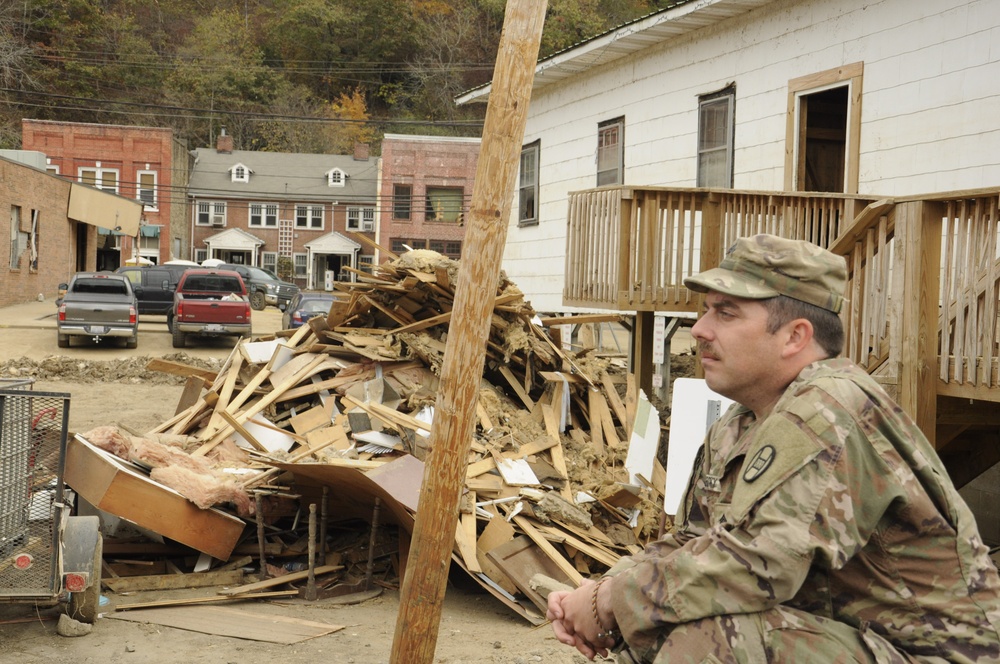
{"type": "Point", "coordinates": [924, 281]}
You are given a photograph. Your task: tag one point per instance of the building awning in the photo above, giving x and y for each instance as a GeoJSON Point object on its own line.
{"type": "Point", "coordinates": [149, 231]}
{"type": "Point", "coordinates": [104, 210]}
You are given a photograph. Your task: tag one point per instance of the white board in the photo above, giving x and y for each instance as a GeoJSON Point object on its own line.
{"type": "Point", "coordinates": [693, 408]}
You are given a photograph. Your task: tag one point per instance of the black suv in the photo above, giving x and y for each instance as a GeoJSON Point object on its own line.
{"type": "Point", "coordinates": [154, 286]}
{"type": "Point", "coordinates": [263, 286]}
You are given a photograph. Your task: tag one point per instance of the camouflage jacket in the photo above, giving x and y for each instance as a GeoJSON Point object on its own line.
{"type": "Point", "coordinates": [834, 504]}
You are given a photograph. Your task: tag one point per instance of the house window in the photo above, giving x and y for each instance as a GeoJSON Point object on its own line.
{"type": "Point", "coordinates": [444, 204]}
{"type": "Point", "coordinates": [309, 216]}
{"type": "Point", "coordinates": [336, 178]}
{"type": "Point", "coordinates": [269, 260]}
{"type": "Point", "coordinates": [240, 173]}
{"type": "Point", "coordinates": [366, 263]}
{"type": "Point", "coordinates": [436, 245]}
{"type": "Point", "coordinates": [716, 124]}
{"type": "Point", "coordinates": [102, 178]}
{"type": "Point", "coordinates": [527, 204]}
{"type": "Point", "coordinates": [453, 250]}
{"type": "Point", "coordinates": [145, 189]}
{"type": "Point", "coordinates": [264, 214]}
{"type": "Point", "coordinates": [401, 246]}
{"type": "Point", "coordinates": [15, 236]}
{"type": "Point", "coordinates": [200, 255]}
{"type": "Point", "coordinates": [823, 132]}
{"type": "Point", "coordinates": [361, 219]}
{"type": "Point", "coordinates": [51, 168]}
{"type": "Point", "coordinates": [300, 265]}
{"type": "Point", "coordinates": [211, 213]}
{"type": "Point", "coordinates": [610, 152]}
{"type": "Point", "coordinates": [401, 201]}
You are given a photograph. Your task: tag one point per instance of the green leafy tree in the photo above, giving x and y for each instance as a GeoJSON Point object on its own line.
{"type": "Point", "coordinates": [220, 68]}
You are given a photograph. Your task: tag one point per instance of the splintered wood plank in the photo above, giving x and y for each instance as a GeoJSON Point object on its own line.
{"type": "Point", "coordinates": [279, 580]}
{"type": "Point", "coordinates": [240, 429]}
{"type": "Point", "coordinates": [543, 543]}
{"type": "Point", "coordinates": [516, 386]}
{"type": "Point", "coordinates": [611, 394]}
{"type": "Point", "coordinates": [179, 369]}
{"type": "Point", "coordinates": [126, 584]}
{"type": "Point", "coordinates": [596, 428]}
{"type": "Point", "coordinates": [465, 536]}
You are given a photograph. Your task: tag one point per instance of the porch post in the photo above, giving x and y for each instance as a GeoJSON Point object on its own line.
{"type": "Point", "coordinates": [642, 351]}
{"type": "Point", "coordinates": [917, 264]}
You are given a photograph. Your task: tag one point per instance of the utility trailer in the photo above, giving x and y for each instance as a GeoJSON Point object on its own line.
{"type": "Point", "coordinates": [47, 556]}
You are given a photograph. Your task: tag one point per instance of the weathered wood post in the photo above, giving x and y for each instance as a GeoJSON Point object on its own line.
{"type": "Point", "coordinates": [424, 583]}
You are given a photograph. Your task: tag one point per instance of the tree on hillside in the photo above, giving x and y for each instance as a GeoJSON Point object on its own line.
{"type": "Point", "coordinates": [220, 69]}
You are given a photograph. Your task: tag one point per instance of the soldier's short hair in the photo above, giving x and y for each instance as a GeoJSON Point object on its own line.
{"type": "Point", "coordinates": [828, 329]}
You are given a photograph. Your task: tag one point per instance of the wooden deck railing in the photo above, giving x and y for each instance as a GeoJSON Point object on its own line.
{"type": "Point", "coordinates": [924, 271]}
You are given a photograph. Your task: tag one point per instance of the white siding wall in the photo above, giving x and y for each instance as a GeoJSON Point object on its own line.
{"type": "Point", "coordinates": [931, 91]}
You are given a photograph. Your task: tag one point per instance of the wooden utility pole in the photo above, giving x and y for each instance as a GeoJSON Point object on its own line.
{"type": "Point", "coordinates": [426, 575]}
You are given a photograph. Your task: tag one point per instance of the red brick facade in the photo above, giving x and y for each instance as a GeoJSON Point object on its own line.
{"type": "Point", "coordinates": [125, 160]}
{"type": "Point", "coordinates": [426, 165]}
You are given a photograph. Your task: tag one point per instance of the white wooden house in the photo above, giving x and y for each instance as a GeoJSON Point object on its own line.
{"type": "Point", "coordinates": [877, 97]}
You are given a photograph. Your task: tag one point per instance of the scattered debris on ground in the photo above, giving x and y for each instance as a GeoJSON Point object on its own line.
{"type": "Point", "coordinates": [300, 456]}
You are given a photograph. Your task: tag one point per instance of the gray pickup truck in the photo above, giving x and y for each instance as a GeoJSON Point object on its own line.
{"type": "Point", "coordinates": [96, 305]}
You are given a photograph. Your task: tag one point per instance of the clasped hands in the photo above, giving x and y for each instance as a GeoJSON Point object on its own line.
{"type": "Point", "coordinates": [582, 618]}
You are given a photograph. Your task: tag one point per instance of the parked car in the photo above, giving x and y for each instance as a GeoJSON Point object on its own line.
{"type": "Point", "coordinates": [303, 306]}
{"type": "Point", "coordinates": [154, 286]}
{"type": "Point", "coordinates": [263, 286]}
{"type": "Point", "coordinates": [95, 305]}
{"type": "Point", "coordinates": [209, 303]}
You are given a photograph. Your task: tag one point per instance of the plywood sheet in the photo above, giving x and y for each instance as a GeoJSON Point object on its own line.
{"type": "Point", "coordinates": [227, 621]}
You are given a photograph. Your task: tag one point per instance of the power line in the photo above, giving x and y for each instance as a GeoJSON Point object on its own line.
{"type": "Point", "coordinates": [215, 113]}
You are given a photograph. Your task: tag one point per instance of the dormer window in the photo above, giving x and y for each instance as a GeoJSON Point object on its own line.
{"type": "Point", "coordinates": [240, 173]}
{"type": "Point", "coordinates": [336, 178]}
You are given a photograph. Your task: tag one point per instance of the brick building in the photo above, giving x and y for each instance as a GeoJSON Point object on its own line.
{"type": "Point", "coordinates": [144, 163]}
{"type": "Point", "coordinates": [51, 226]}
{"type": "Point", "coordinates": [254, 208]}
{"type": "Point", "coordinates": [425, 188]}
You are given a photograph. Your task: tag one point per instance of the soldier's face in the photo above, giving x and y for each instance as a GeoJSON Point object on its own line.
{"type": "Point", "coordinates": [738, 354]}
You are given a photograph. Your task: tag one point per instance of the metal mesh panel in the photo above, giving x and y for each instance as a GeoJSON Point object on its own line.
{"type": "Point", "coordinates": [32, 444]}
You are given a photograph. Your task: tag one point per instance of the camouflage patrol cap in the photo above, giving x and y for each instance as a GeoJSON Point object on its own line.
{"type": "Point", "coordinates": [765, 266]}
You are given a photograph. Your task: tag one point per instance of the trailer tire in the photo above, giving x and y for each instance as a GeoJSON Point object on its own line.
{"type": "Point", "coordinates": [132, 342]}
{"type": "Point", "coordinates": [86, 606]}
{"type": "Point", "coordinates": [179, 338]}
{"type": "Point", "coordinates": [62, 340]}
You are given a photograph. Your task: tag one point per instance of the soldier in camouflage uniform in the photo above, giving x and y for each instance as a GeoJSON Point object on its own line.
{"type": "Point", "coordinates": [819, 525]}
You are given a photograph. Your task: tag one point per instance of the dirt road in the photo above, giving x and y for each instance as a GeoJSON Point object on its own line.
{"type": "Point", "coordinates": [108, 385]}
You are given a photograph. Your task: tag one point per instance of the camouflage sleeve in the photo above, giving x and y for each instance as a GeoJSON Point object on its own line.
{"type": "Point", "coordinates": [809, 505]}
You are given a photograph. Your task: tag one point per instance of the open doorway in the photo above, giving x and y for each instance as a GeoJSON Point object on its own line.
{"type": "Point", "coordinates": [823, 135]}
{"type": "Point", "coordinates": [822, 140]}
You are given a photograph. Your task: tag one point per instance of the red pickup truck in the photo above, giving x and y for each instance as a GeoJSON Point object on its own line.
{"type": "Point", "coordinates": [210, 303]}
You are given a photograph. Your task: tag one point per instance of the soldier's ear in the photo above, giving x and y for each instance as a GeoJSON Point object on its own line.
{"type": "Point", "coordinates": [799, 336]}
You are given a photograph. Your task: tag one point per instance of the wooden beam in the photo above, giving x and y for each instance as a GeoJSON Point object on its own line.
{"type": "Point", "coordinates": [423, 587]}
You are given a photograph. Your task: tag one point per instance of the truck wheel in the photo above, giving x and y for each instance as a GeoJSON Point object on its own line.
{"type": "Point", "coordinates": [180, 338]}
{"type": "Point", "coordinates": [86, 606]}
{"type": "Point", "coordinates": [170, 322]}
{"type": "Point", "coordinates": [132, 342]}
{"type": "Point", "coordinates": [62, 340]}
{"type": "Point", "coordinates": [257, 301]}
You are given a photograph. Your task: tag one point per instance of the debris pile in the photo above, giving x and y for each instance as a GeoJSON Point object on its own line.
{"type": "Point", "coordinates": [337, 414]}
